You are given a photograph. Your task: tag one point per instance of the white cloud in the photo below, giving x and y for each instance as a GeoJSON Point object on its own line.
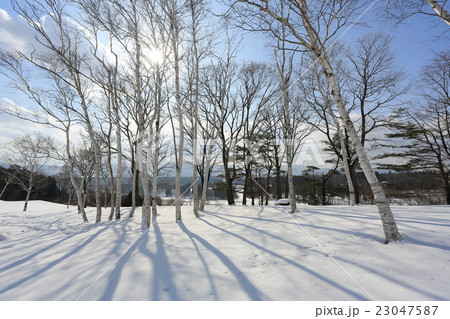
{"type": "Point", "coordinates": [16, 33]}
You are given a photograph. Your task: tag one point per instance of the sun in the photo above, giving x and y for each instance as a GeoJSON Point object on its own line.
{"type": "Point", "coordinates": [154, 56]}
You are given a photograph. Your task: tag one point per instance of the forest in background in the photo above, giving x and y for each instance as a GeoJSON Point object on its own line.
{"type": "Point", "coordinates": [402, 188]}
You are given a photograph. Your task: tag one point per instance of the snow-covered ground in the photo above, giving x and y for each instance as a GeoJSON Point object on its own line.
{"type": "Point", "coordinates": [230, 253]}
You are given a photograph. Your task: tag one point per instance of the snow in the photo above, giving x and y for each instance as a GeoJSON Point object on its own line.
{"type": "Point", "coordinates": [230, 253]}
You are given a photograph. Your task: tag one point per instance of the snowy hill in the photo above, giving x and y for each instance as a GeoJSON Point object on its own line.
{"type": "Point", "coordinates": [230, 253]}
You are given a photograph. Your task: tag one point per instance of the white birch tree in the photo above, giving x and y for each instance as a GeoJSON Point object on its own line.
{"type": "Point", "coordinates": [312, 27]}
{"type": "Point", "coordinates": [59, 43]}
{"type": "Point", "coordinates": [27, 157]}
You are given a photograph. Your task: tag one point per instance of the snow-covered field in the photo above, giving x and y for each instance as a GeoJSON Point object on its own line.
{"type": "Point", "coordinates": [230, 253]}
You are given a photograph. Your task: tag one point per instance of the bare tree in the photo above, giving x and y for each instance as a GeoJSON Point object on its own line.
{"type": "Point", "coordinates": [372, 85]}
{"type": "Point", "coordinates": [284, 63]}
{"type": "Point", "coordinates": [59, 52]}
{"type": "Point", "coordinates": [256, 89]}
{"type": "Point", "coordinates": [317, 95]}
{"type": "Point", "coordinates": [208, 145]}
{"type": "Point", "coordinates": [28, 157]}
{"type": "Point", "coordinates": [106, 75]}
{"type": "Point", "coordinates": [198, 50]}
{"type": "Point", "coordinates": [227, 116]}
{"type": "Point", "coordinates": [56, 108]}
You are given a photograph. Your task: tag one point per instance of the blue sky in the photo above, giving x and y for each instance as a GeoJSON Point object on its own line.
{"type": "Point", "coordinates": [414, 42]}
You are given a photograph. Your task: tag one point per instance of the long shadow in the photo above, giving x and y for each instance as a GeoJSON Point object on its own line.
{"type": "Point", "coordinates": [392, 279]}
{"type": "Point", "coordinates": [421, 221]}
{"type": "Point", "coordinates": [55, 262]}
{"type": "Point", "coordinates": [205, 264]}
{"type": "Point", "coordinates": [293, 263]}
{"type": "Point", "coordinates": [161, 266]}
{"type": "Point", "coordinates": [120, 232]}
{"type": "Point", "coordinates": [264, 232]}
{"type": "Point", "coordinates": [348, 216]}
{"type": "Point", "coordinates": [29, 257]}
{"type": "Point", "coordinates": [253, 293]}
{"type": "Point", "coordinates": [115, 250]}
{"type": "Point", "coordinates": [348, 232]}
{"type": "Point", "coordinates": [162, 276]}
{"type": "Point", "coordinates": [120, 264]}
{"type": "Point", "coordinates": [253, 218]}
{"type": "Point", "coordinates": [414, 241]}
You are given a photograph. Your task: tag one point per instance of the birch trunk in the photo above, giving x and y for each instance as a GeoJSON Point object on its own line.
{"type": "Point", "coordinates": [134, 187]}
{"type": "Point", "coordinates": [27, 199]}
{"type": "Point", "coordinates": [111, 185]}
{"type": "Point", "coordinates": [146, 178]}
{"type": "Point", "coordinates": [144, 168]}
{"type": "Point", "coordinates": [119, 177]}
{"type": "Point", "coordinates": [155, 177]}
{"type": "Point", "coordinates": [157, 141]}
{"type": "Point", "coordinates": [292, 198]}
{"type": "Point", "coordinates": [195, 111]}
{"type": "Point", "coordinates": [75, 185]}
{"type": "Point", "coordinates": [387, 218]}
{"type": "Point", "coordinates": [179, 165]}
{"type": "Point", "coordinates": [440, 11]}
{"type": "Point", "coordinates": [95, 146]}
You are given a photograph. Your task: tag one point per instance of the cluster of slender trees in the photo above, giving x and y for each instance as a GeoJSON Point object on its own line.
{"type": "Point", "coordinates": [136, 75]}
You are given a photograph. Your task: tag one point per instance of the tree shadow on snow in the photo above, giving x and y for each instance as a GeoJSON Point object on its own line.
{"type": "Point", "coordinates": [161, 280]}
{"type": "Point", "coordinates": [52, 264]}
{"type": "Point", "coordinates": [252, 292]}
{"type": "Point", "coordinates": [301, 267]}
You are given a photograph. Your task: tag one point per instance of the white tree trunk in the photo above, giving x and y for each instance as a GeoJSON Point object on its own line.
{"type": "Point", "coordinates": [144, 181]}
{"type": "Point", "coordinates": [156, 142]}
{"type": "Point", "coordinates": [292, 198]}
{"type": "Point", "coordinates": [95, 146]}
{"type": "Point", "coordinates": [387, 218]}
{"type": "Point", "coordinates": [27, 199]}
{"type": "Point", "coordinates": [133, 188]}
{"type": "Point", "coordinates": [119, 177]}
{"type": "Point", "coordinates": [155, 180]}
{"type": "Point", "coordinates": [173, 16]}
{"type": "Point", "coordinates": [195, 111]}
{"type": "Point", "coordinates": [75, 185]}
{"type": "Point", "coordinates": [155, 160]}
{"type": "Point", "coordinates": [440, 11]}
